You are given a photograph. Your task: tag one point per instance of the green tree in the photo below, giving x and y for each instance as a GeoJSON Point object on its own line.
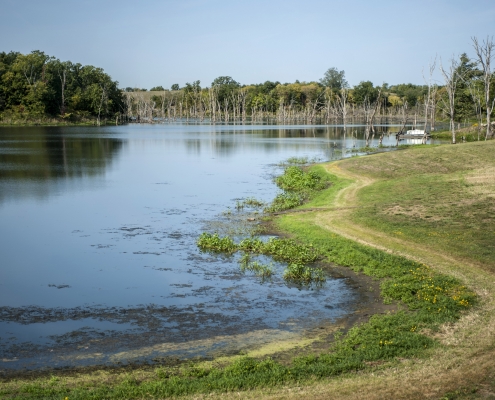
{"type": "Point", "coordinates": [408, 92]}
{"type": "Point", "coordinates": [225, 86]}
{"type": "Point", "coordinates": [464, 105]}
{"type": "Point", "coordinates": [194, 87]}
{"type": "Point", "coordinates": [334, 79]}
{"type": "Point", "coordinates": [364, 91]}
{"type": "Point", "coordinates": [35, 85]}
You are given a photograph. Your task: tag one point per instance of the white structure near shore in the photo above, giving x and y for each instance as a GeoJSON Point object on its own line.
{"type": "Point", "coordinates": [416, 132]}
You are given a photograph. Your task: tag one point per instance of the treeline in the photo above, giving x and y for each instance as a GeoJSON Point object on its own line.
{"type": "Point", "coordinates": [36, 87]}
{"type": "Point", "coordinates": [309, 102]}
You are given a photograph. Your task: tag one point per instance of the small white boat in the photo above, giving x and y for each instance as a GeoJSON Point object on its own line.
{"type": "Point", "coordinates": [416, 132]}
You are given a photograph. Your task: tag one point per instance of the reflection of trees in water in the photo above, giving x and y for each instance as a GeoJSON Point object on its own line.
{"type": "Point", "coordinates": [335, 140]}
{"type": "Point", "coordinates": [228, 143]}
{"type": "Point", "coordinates": [39, 156]}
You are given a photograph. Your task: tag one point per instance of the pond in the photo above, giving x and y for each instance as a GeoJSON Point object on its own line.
{"type": "Point", "coordinates": [98, 241]}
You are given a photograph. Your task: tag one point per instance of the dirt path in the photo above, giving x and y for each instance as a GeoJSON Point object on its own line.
{"type": "Point", "coordinates": [336, 219]}
{"type": "Point", "coordinates": [464, 365]}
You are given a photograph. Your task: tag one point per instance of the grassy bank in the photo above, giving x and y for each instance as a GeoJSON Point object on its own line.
{"type": "Point", "coordinates": [466, 134]}
{"type": "Point", "coordinates": [375, 218]}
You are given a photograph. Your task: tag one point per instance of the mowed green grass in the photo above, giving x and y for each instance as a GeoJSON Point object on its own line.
{"type": "Point", "coordinates": [441, 197]}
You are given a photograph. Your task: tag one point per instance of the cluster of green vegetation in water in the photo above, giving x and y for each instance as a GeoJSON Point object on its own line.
{"type": "Point", "coordinates": [299, 161]}
{"type": "Point", "coordinates": [299, 273]}
{"type": "Point", "coordinates": [262, 270]}
{"type": "Point", "coordinates": [249, 202]}
{"type": "Point", "coordinates": [297, 187]}
{"type": "Point", "coordinates": [285, 250]}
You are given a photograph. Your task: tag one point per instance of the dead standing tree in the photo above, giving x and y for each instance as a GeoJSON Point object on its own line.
{"type": "Point", "coordinates": [404, 117]}
{"type": "Point", "coordinates": [429, 97]}
{"type": "Point", "coordinates": [451, 77]}
{"type": "Point", "coordinates": [370, 110]}
{"type": "Point", "coordinates": [484, 53]}
{"type": "Point", "coordinates": [342, 111]}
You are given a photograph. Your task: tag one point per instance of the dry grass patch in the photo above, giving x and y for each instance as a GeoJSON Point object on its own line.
{"type": "Point", "coordinates": [415, 211]}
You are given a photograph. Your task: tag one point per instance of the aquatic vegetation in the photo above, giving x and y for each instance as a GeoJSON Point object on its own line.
{"type": "Point", "coordinates": [297, 187]}
{"type": "Point", "coordinates": [300, 161]}
{"type": "Point", "coordinates": [295, 179]}
{"type": "Point", "coordinates": [290, 251]}
{"type": "Point", "coordinates": [215, 243]}
{"type": "Point", "coordinates": [249, 202]}
{"type": "Point", "coordinates": [251, 245]}
{"type": "Point", "coordinates": [262, 270]}
{"type": "Point", "coordinates": [302, 274]}
{"type": "Point", "coordinates": [285, 201]}
{"type": "Point", "coordinates": [281, 249]}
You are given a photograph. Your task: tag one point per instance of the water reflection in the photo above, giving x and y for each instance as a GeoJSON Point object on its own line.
{"type": "Point", "coordinates": [33, 159]}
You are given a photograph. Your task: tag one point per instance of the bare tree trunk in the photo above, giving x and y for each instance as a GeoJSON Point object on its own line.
{"type": "Point", "coordinates": [369, 113]}
{"type": "Point", "coordinates": [434, 101]}
{"type": "Point", "coordinates": [484, 53]}
{"type": "Point", "coordinates": [451, 78]}
{"type": "Point", "coordinates": [428, 96]}
{"type": "Point", "coordinates": [404, 118]}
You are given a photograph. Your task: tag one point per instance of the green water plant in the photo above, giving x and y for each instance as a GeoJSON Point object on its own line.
{"type": "Point", "coordinates": [284, 201]}
{"type": "Point", "coordinates": [300, 161]}
{"type": "Point", "coordinates": [261, 270]}
{"type": "Point", "coordinates": [297, 255]}
{"type": "Point", "coordinates": [249, 202]}
{"type": "Point", "coordinates": [281, 249]}
{"type": "Point", "coordinates": [298, 186]}
{"type": "Point", "coordinates": [302, 274]}
{"type": "Point", "coordinates": [295, 179]}
{"type": "Point", "coordinates": [215, 243]}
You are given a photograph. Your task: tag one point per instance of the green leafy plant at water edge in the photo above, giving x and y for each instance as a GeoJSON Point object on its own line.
{"type": "Point", "coordinates": [281, 249]}
{"type": "Point", "coordinates": [295, 179]}
{"type": "Point", "coordinates": [301, 274]}
{"type": "Point", "coordinates": [285, 201]}
{"type": "Point", "coordinates": [249, 202]}
{"type": "Point", "coordinates": [300, 161]}
{"type": "Point", "coordinates": [262, 270]}
{"type": "Point", "coordinates": [298, 186]}
{"type": "Point", "coordinates": [215, 243]}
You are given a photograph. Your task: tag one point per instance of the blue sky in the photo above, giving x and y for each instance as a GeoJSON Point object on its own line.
{"type": "Point", "coordinates": [151, 43]}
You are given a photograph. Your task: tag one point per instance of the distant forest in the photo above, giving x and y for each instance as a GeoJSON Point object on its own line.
{"type": "Point", "coordinates": [36, 86]}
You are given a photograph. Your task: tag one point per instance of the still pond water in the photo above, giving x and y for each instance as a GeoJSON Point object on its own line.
{"type": "Point", "coordinates": [98, 234]}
